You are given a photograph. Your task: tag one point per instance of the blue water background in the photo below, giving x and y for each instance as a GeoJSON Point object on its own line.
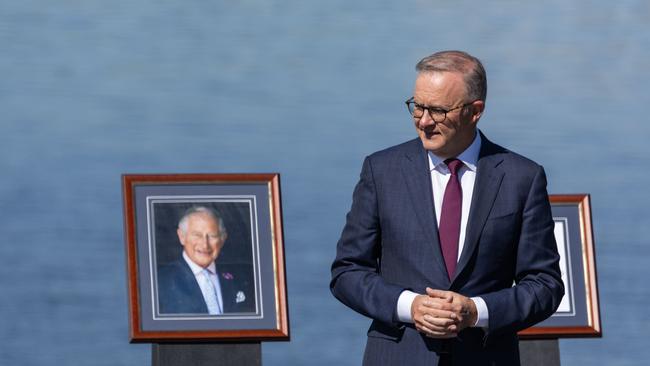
{"type": "Point", "coordinates": [93, 89]}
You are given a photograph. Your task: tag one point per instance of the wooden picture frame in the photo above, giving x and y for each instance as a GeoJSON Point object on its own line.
{"type": "Point", "coordinates": [249, 270]}
{"type": "Point", "coordinates": [579, 311]}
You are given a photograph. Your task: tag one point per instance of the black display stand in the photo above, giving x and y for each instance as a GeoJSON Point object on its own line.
{"type": "Point", "coordinates": [208, 354]}
{"type": "Point", "coordinates": [539, 352]}
{"type": "Point", "coordinates": [532, 353]}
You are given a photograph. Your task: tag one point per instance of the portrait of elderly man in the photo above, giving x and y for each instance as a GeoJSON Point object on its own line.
{"type": "Point", "coordinates": [194, 283]}
{"type": "Point", "coordinates": [449, 243]}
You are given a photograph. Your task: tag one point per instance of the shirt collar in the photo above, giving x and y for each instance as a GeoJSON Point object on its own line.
{"type": "Point", "coordinates": [469, 157]}
{"type": "Point", "coordinates": [196, 269]}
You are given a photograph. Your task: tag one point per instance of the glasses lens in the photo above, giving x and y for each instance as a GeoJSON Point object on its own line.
{"type": "Point", "coordinates": [437, 115]}
{"type": "Point", "coordinates": [415, 110]}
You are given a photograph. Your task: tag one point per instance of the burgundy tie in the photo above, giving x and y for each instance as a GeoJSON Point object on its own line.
{"type": "Point", "coordinates": [449, 229]}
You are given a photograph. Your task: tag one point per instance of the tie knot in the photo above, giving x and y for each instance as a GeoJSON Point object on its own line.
{"type": "Point", "coordinates": [454, 165]}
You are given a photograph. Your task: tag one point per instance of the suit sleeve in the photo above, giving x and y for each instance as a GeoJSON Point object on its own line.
{"type": "Point", "coordinates": [356, 279]}
{"type": "Point", "coordinates": [539, 288]}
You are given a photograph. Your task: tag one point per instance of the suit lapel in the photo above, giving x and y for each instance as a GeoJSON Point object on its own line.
{"type": "Point", "coordinates": [191, 288]}
{"type": "Point", "coordinates": [486, 187]}
{"type": "Point", "coordinates": [418, 181]}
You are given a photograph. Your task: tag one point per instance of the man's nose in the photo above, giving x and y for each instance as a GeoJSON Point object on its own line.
{"type": "Point", "coordinates": [426, 119]}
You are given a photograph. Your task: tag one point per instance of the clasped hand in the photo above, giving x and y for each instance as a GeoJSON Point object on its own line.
{"type": "Point", "coordinates": [442, 314]}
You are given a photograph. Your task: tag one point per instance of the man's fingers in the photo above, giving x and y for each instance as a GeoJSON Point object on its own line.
{"type": "Point", "coordinates": [441, 304]}
{"type": "Point", "coordinates": [447, 295]}
{"type": "Point", "coordinates": [438, 322]}
{"type": "Point", "coordinates": [428, 327]}
{"type": "Point", "coordinates": [435, 323]}
{"type": "Point", "coordinates": [438, 313]}
{"type": "Point", "coordinates": [436, 332]}
{"type": "Point", "coordinates": [438, 310]}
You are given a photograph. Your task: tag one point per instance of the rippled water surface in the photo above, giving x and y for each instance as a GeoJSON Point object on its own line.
{"type": "Point", "coordinates": [93, 89]}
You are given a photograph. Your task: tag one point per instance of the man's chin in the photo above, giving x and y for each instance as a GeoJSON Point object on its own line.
{"type": "Point", "coordinates": [204, 261]}
{"type": "Point", "coordinates": [432, 143]}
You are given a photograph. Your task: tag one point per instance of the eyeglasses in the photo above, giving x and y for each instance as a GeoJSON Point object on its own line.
{"type": "Point", "coordinates": [437, 114]}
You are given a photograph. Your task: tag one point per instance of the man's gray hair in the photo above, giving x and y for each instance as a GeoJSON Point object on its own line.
{"type": "Point", "coordinates": [182, 223]}
{"type": "Point", "coordinates": [461, 62]}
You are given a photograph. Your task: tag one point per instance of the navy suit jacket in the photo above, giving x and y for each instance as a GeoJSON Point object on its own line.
{"type": "Point", "coordinates": [179, 293]}
{"type": "Point", "coordinates": [390, 243]}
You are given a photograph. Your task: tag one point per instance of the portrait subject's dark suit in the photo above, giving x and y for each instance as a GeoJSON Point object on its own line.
{"type": "Point", "coordinates": [390, 244]}
{"type": "Point", "coordinates": [179, 293]}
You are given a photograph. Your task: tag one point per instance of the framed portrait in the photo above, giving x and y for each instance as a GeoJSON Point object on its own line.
{"type": "Point", "coordinates": [205, 257]}
{"type": "Point", "coordinates": [578, 314]}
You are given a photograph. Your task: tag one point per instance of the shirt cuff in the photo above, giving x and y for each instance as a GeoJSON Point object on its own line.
{"type": "Point", "coordinates": [404, 303]}
{"type": "Point", "coordinates": [482, 315]}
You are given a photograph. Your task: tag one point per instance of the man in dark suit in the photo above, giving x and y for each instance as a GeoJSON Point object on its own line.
{"type": "Point", "coordinates": [439, 230]}
{"type": "Point", "coordinates": [192, 284]}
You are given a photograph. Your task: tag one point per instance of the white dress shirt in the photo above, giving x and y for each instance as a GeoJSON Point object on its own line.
{"type": "Point", "coordinates": [439, 177]}
{"type": "Point", "coordinates": [198, 275]}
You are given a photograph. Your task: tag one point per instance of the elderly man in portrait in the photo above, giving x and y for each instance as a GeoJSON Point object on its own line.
{"type": "Point", "coordinates": [449, 243]}
{"type": "Point", "coordinates": [194, 284]}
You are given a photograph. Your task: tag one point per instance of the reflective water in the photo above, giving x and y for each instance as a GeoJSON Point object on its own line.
{"type": "Point", "coordinates": [93, 89]}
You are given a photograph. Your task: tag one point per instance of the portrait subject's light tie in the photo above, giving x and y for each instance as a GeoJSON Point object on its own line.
{"type": "Point", "coordinates": [210, 294]}
{"type": "Point", "coordinates": [449, 229]}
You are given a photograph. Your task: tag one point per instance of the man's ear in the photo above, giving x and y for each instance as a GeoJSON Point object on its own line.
{"type": "Point", "coordinates": [181, 236]}
{"type": "Point", "coordinates": [478, 106]}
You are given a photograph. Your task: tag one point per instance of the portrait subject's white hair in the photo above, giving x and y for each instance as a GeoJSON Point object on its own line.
{"type": "Point", "coordinates": [182, 223]}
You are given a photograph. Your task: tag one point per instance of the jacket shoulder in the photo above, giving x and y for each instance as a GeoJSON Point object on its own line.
{"type": "Point", "coordinates": [509, 159]}
{"type": "Point", "coordinates": [171, 270]}
{"type": "Point", "coordinates": [408, 147]}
